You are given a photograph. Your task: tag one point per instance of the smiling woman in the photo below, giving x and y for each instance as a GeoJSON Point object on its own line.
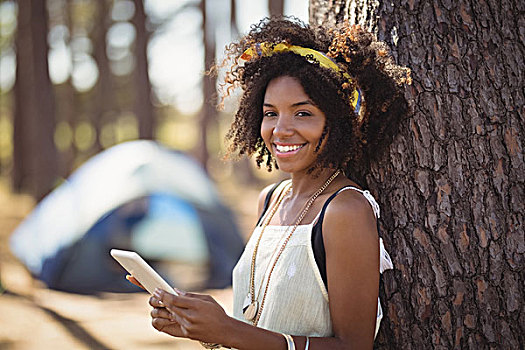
{"type": "Point", "coordinates": [315, 103]}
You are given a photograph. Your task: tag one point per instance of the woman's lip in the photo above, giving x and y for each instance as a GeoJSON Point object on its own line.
{"type": "Point", "coordinates": [288, 144]}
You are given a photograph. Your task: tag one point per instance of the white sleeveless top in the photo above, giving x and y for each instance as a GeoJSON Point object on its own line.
{"type": "Point", "coordinates": [297, 300]}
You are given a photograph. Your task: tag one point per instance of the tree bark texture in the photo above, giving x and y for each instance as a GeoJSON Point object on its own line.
{"type": "Point", "coordinates": [35, 154]}
{"type": "Point", "coordinates": [327, 11]}
{"type": "Point", "coordinates": [451, 187]}
{"type": "Point", "coordinates": [143, 106]}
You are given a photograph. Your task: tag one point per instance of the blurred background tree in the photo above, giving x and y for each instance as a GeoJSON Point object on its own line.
{"type": "Point", "coordinates": [76, 79]}
{"type": "Point", "coordinates": [35, 157]}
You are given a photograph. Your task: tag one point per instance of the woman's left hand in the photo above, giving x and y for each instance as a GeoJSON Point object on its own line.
{"type": "Point", "coordinates": [189, 315]}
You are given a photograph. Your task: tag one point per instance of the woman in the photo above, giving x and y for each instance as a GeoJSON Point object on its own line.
{"type": "Point", "coordinates": [315, 102]}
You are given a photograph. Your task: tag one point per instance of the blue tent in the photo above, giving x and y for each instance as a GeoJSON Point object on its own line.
{"type": "Point", "coordinates": [135, 196]}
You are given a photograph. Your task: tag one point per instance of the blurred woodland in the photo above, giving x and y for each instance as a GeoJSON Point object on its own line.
{"type": "Point", "coordinates": [81, 84]}
{"type": "Point", "coordinates": [451, 187]}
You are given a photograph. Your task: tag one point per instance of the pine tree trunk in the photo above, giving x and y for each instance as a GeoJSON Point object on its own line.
{"type": "Point", "coordinates": [103, 104]}
{"type": "Point", "coordinates": [23, 99]}
{"type": "Point", "coordinates": [330, 12]}
{"type": "Point", "coordinates": [208, 113]}
{"type": "Point", "coordinates": [143, 106]}
{"type": "Point", "coordinates": [45, 155]}
{"type": "Point", "coordinates": [452, 186]}
{"type": "Point", "coordinates": [35, 154]}
{"type": "Point", "coordinates": [276, 7]}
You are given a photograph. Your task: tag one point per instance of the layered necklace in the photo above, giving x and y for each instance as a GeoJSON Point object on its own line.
{"type": "Point", "coordinates": [251, 310]}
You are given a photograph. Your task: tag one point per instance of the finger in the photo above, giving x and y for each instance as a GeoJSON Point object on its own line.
{"type": "Point", "coordinates": [172, 328]}
{"type": "Point", "coordinates": [134, 281]}
{"type": "Point", "coordinates": [180, 292]}
{"type": "Point", "coordinates": [160, 323]}
{"type": "Point", "coordinates": [155, 302]}
{"type": "Point", "coordinates": [204, 297]}
{"type": "Point", "coordinates": [161, 312]}
{"type": "Point", "coordinates": [168, 299]}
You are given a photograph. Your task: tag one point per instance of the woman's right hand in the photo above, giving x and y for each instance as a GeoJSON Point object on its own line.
{"type": "Point", "coordinates": [162, 319]}
{"type": "Point", "coordinates": [190, 315]}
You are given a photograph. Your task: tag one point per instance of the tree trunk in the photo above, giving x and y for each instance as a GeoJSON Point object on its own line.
{"type": "Point", "coordinates": [331, 12]}
{"type": "Point", "coordinates": [36, 158]}
{"type": "Point", "coordinates": [69, 102]}
{"type": "Point", "coordinates": [143, 106]}
{"type": "Point", "coordinates": [234, 28]}
{"type": "Point", "coordinates": [276, 7]}
{"type": "Point", "coordinates": [452, 186]}
{"type": "Point", "coordinates": [208, 114]}
{"type": "Point", "coordinates": [103, 103]}
{"type": "Point", "coordinates": [23, 97]}
{"type": "Point", "coordinates": [45, 155]}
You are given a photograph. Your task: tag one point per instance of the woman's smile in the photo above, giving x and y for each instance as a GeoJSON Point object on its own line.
{"type": "Point", "coordinates": [286, 149]}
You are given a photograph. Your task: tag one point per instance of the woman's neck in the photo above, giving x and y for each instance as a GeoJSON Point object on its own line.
{"type": "Point", "coordinates": [305, 184]}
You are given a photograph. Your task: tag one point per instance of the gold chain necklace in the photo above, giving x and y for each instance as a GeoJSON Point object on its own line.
{"type": "Point", "coordinates": [252, 312]}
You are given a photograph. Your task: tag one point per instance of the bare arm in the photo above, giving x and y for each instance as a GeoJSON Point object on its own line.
{"type": "Point", "coordinates": [352, 265]}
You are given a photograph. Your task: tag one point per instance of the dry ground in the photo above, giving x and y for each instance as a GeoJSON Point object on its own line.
{"type": "Point", "coordinates": [34, 317]}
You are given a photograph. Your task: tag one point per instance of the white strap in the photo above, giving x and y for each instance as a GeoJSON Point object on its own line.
{"type": "Point", "coordinates": [289, 341]}
{"type": "Point", "coordinates": [385, 263]}
{"type": "Point", "coordinates": [368, 196]}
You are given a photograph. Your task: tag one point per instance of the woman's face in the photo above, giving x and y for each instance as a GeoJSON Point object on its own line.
{"type": "Point", "coordinates": [292, 125]}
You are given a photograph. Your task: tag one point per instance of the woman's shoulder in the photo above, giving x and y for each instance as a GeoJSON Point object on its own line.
{"type": "Point", "coordinates": [350, 200]}
{"type": "Point", "coordinates": [350, 210]}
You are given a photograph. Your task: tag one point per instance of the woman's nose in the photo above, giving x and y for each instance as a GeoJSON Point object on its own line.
{"type": "Point", "coordinates": [283, 127]}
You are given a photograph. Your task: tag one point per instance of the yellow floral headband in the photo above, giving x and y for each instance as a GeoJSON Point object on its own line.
{"type": "Point", "coordinates": [311, 55]}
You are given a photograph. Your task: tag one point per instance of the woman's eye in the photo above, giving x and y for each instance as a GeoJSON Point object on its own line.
{"type": "Point", "coordinates": [303, 114]}
{"type": "Point", "coordinates": [270, 114]}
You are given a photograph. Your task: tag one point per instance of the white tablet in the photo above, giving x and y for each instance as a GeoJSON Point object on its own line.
{"type": "Point", "coordinates": [144, 273]}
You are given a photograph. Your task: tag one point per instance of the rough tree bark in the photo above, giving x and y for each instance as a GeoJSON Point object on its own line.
{"type": "Point", "coordinates": [143, 106]}
{"type": "Point", "coordinates": [331, 11]}
{"type": "Point", "coordinates": [35, 154]}
{"type": "Point", "coordinates": [452, 185]}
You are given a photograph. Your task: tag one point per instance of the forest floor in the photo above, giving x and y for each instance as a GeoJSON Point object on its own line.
{"type": "Point", "coordinates": [34, 317]}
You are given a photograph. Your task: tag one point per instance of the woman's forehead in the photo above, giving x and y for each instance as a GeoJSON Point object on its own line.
{"type": "Point", "coordinates": [285, 89]}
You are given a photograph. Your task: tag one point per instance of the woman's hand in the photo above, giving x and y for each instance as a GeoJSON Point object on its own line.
{"type": "Point", "coordinates": [189, 315]}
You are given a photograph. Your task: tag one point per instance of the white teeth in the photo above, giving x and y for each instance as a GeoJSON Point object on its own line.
{"type": "Point", "coordinates": [284, 149]}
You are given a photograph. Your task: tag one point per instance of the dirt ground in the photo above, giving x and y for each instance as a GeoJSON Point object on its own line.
{"type": "Point", "coordinates": [34, 317]}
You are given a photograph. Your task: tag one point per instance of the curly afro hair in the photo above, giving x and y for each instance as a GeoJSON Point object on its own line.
{"type": "Point", "coordinates": [356, 52]}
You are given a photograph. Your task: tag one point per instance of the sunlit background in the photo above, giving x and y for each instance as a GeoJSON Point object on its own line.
{"type": "Point", "coordinates": [175, 60]}
{"type": "Point", "coordinates": [74, 180]}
